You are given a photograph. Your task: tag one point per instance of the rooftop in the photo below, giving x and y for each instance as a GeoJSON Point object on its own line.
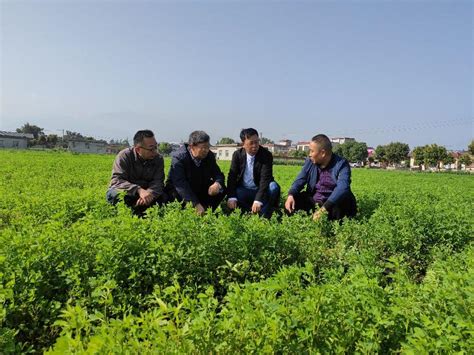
{"type": "Point", "coordinates": [16, 135]}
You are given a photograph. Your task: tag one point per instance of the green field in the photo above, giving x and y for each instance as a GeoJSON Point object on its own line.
{"type": "Point", "coordinates": [78, 275]}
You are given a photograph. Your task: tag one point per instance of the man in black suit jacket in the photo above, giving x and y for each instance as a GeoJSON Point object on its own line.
{"type": "Point", "coordinates": [251, 185]}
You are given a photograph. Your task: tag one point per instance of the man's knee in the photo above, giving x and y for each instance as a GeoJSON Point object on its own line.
{"type": "Point", "coordinates": [112, 196]}
{"type": "Point", "coordinates": [162, 199]}
{"type": "Point", "coordinates": [274, 189]}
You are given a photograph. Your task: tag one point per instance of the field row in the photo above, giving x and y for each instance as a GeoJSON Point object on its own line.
{"type": "Point", "coordinates": [77, 274]}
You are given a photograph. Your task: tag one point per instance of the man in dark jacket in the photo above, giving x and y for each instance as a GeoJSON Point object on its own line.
{"type": "Point", "coordinates": [194, 175]}
{"type": "Point", "coordinates": [138, 171]}
{"type": "Point", "coordinates": [251, 185]}
{"type": "Point", "coordinates": [327, 177]}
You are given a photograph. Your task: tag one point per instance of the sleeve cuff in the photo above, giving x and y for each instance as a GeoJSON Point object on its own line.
{"type": "Point", "coordinates": [260, 203]}
{"type": "Point", "coordinates": [232, 199]}
{"type": "Point", "coordinates": [328, 205]}
{"type": "Point", "coordinates": [221, 189]}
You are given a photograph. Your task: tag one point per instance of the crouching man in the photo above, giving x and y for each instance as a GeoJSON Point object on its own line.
{"type": "Point", "coordinates": [327, 177]}
{"type": "Point", "coordinates": [194, 175]}
{"type": "Point", "coordinates": [138, 171]}
{"type": "Point", "coordinates": [251, 185]}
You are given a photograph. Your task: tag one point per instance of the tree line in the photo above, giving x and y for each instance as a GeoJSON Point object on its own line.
{"type": "Point", "coordinates": [430, 155]}
{"type": "Point", "coordinates": [54, 140]}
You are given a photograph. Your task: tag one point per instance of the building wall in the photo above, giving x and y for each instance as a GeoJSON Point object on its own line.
{"type": "Point", "coordinates": [303, 147]}
{"type": "Point", "coordinates": [341, 140]}
{"type": "Point", "coordinates": [87, 147]}
{"type": "Point", "coordinates": [13, 143]}
{"type": "Point", "coordinates": [276, 148]}
{"type": "Point", "coordinates": [225, 153]}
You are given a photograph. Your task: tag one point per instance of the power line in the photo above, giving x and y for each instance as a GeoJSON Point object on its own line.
{"type": "Point", "coordinates": [409, 128]}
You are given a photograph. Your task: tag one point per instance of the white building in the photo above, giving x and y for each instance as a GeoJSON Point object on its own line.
{"type": "Point", "coordinates": [285, 142]}
{"type": "Point", "coordinates": [14, 140]}
{"type": "Point", "coordinates": [304, 146]}
{"type": "Point", "coordinates": [225, 151]}
{"type": "Point", "coordinates": [341, 140]}
{"type": "Point", "coordinates": [277, 148]}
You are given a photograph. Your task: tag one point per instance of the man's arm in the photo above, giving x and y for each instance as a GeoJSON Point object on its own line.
{"type": "Point", "coordinates": [233, 174]}
{"type": "Point", "coordinates": [121, 175]}
{"type": "Point", "coordinates": [342, 188]}
{"type": "Point", "coordinates": [217, 174]}
{"type": "Point", "coordinates": [158, 182]}
{"type": "Point", "coordinates": [301, 179]}
{"type": "Point", "coordinates": [266, 174]}
{"type": "Point", "coordinates": [178, 178]}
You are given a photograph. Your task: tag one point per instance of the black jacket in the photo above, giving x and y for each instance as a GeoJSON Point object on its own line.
{"type": "Point", "coordinates": [262, 172]}
{"type": "Point", "coordinates": [192, 182]}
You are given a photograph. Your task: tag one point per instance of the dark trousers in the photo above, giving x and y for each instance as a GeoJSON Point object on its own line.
{"type": "Point", "coordinates": [347, 207]}
{"type": "Point", "coordinates": [204, 199]}
{"type": "Point", "coordinates": [246, 197]}
{"type": "Point", "coordinates": [112, 197]}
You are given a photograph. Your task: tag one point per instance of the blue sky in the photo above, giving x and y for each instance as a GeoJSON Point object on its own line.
{"type": "Point", "coordinates": [376, 71]}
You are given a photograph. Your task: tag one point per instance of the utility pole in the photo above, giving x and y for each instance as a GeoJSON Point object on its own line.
{"type": "Point", "coordinates": [62, 137]}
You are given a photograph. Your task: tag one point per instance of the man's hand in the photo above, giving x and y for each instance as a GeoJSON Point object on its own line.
{"type": "Point", "coordinates": [290, 203]}
{"type": "Point", "coordinates": [214, 189]}
{"type": "Point", "coordinates": [256, 207]}
{"type": "Point", "coordinates": [232, 204]}
{"type": "Point", "coordinates": [146, 197]}
{"type": "Point", "coordinates": [319, 213]}
{"type": "Point", "coordinates": [200, 210]}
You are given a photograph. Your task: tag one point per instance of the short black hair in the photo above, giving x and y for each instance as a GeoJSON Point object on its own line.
{"type": "Point", "coordinates": [246, 133]}
{"type": "Point", "coordinates": [323, 142]}
{"type": "Point", "coordinates": [197, 137]}
{"type": "Point", "coordinates": [141, 135]}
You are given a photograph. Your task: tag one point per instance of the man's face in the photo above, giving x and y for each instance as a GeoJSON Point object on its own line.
{"type": "Point", "coordinates": [200, 150]}
{"type": "Point", "coordinates": [251, 144]}
{"type": "Point", "coordinates": [148, 149]}
{"type": "Point", "coordinates": [316, 154]}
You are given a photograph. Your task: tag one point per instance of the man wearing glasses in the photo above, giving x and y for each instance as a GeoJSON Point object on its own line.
{"type": "Point", "coordinates": [138, 171]}
{"type": "Point", "coordinates": [194, 175]}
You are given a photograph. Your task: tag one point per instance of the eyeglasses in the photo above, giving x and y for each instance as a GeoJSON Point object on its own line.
{"type": "Point", "coordinates": [154, 149]}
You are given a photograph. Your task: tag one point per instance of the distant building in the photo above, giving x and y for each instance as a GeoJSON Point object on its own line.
{"type": "Point", "coordinates": [341, 140]}
{"type": "Point", "coordinates": [285, 142]}
{"type": "Point", "coordinates": [14, 140]}
{"type": "Point", "coordinates": [87, 146]}
{"type": "Point", "coordinates": [114, 148]}
{"type": "Point", "coordinates": [303, 146]}
{"type": "Point", "coordinates": [456, 165]}
{"type": "Point", "coordinates": [225, 151]}
{"type": "Point", "coordinates": [277, 148]}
